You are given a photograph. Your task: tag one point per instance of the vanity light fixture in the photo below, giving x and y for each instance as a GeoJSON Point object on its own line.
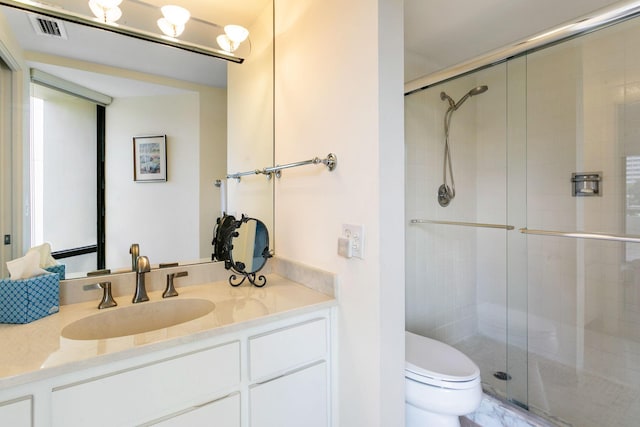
{"type": "Point", "coordinates": [232, 37]}
{"type": "Point", "coordinates": [197, 40]}
{"type": "Point", "coordinates": [106, 11]}
{"type": "Point", "coordinates": [175, 17]}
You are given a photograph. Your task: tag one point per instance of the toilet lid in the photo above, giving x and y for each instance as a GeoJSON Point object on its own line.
{"type": "Point", "coordinates": [434, 359]}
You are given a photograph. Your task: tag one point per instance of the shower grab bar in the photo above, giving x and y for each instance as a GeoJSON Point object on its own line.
{"type": "Point", "coordinates": [463, 224]}
{"type": "Point", "coordinates": [629, 238]}
{"type": "Point", "coordinates": [330, 162]}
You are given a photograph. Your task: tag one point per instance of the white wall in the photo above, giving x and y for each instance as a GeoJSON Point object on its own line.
{"type": "Point", "coordinates": [213, 161]}
{"type": "Point", "coordinates": [155, 215]}
{"type": "Point", "coordinates": [339, 89]}
{"type": "Point", "coordinates": [250, 110]}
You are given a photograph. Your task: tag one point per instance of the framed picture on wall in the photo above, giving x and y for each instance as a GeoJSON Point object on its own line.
{"type": "Point", "coordinates": [150, 158]}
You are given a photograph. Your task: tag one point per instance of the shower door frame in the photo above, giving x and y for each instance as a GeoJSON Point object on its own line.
{"type": "Point", "coordinates": [515, 58]}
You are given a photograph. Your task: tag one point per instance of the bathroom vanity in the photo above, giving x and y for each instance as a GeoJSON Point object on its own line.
{"type": "Point", "coordinates": [261, 357]}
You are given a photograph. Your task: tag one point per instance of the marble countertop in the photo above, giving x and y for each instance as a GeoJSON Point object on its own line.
{"type": "Point", "coordinates": [37, 350]}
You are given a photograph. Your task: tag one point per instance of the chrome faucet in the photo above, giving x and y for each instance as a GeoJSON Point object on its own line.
{"type": "Point", "coordinates": [142, 266]}
{"type": "Point", "coordinates": [134, 250]}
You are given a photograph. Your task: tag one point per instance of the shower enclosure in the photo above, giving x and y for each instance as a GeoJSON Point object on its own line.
{"type": "Point", "coordinates": [533, 270]}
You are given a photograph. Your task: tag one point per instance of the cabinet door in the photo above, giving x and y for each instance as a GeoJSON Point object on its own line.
{"type": "Point", "coordinates": [220, 413]}
{"type": "Point", "coordinates": [146, 393]}
{"type": "Point", "coordinates": [16, 413]}
{"type": "Point", "coordinates": [294, 400]}
{"type": "Point", "coordinates": [278, 352]}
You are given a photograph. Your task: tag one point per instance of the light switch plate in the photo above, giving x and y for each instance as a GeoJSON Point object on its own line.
{"type": "Point", "coordinates": [344, 247]}
{"type": "Point", "coordinates": [355, 233]}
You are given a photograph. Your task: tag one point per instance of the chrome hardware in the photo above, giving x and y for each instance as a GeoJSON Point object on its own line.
{"type": "Point", "coordinates": [102, 272]}
{"type": "Point", "coordinates": [107, 299]}
{"type": "Point", "coordinates": [142, 266]}
{"type": "Point", "coordinates": [331, 161]}
{"type": "Point", "coordinates": [463, 224]}
{"type": "Point", "coordinates": [167, 264]}
{"type": "Point", "coordinates": [628, 238]}
{"type": "Point", "coordinates": [586, 184]}
{"type": "Point", "coordinates": [134, 250]}
{"type": "Point", "coordinates": [445, 195]}
{"type": "Point", "coordinates": [170, 291]}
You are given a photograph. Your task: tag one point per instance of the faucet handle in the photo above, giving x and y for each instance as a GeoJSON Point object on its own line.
{"type": "Point", "coordinates": [170, 291]}
{"type": "Point", "coordinates": [107, 299]}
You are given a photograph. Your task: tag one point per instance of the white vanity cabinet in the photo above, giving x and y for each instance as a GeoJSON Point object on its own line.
{"type": "Point", "coordinates": [268, 373]}
{"type": "Point", "coordinates": [16, 412]}
{"type": "Point", "coordinates": [139, 395]}
{"type": "Point", "coordinates": [223, 412]}
{"type": "Point", "coordinates": [289, 371]}
{"type": "Point", "coordinates": [296, 399]}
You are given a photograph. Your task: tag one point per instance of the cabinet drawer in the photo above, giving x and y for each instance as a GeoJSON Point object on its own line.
{"type": "Point", "coordinates": [277, 352]}
{"type": "Point", "coordinates": [143, 394]}
{"type": "Point", "coordinates": [294, 400]}
{"type": "Point", "coordinates": [221, 413]}
{"type": "Point", "coordinates": [16, 413]}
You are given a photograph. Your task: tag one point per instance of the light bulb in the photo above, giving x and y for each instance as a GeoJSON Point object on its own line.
{"type": "Point", "coordinates": [232, 37]}
{"type": "Point", "coordinates": [174, 19]}
{"type": "Point", "coordinates": [108, 4]}
{"type": "Point", "coordinates": [225, 43]}
{"type": "Point", "coordinates": [170, 29]}
{"type": "Point", "coordinates": [106, 10]}
{"type": "Point", "coordinates": [236, 33]}
{"type": "Point", "coordinates": [175, 14]}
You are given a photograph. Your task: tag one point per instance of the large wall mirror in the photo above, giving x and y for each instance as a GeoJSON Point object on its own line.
{"type": "Point", "coordinates": [215, 116]}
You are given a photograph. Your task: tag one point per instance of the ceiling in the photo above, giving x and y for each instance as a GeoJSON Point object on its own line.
{"type": "Point", "coordinates": [114, 50]}
{"type": "Point", "coordinates": [442, 33]}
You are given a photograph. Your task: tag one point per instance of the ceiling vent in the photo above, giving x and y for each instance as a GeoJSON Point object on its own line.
{"type": "Point", "coordinates": [45, 26]}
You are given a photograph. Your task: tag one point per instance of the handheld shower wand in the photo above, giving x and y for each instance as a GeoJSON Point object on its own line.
{"type": "Point", "coordinates": [446, 193]}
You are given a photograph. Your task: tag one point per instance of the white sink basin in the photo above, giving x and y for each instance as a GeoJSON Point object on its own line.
{"type": "Point", "coordinates": [137, 319]}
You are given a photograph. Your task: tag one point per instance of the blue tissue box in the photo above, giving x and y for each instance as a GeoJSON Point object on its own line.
{"type": "Point", "coordinates": [26, 300]}
{"type": "Point", "coordinates": [60, 269]}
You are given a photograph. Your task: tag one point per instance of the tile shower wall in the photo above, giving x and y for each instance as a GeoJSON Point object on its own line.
{"type": "Point", "coordinates": [452, 270]}
{"type": "Point", "coordinates": [440, 293]}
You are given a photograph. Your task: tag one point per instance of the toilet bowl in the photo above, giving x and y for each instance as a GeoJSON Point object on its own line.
{"type": "Point", "coordinates": [441, 383]}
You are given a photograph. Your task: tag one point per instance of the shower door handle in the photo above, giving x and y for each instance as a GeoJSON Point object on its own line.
{"type": "Point", "coordinates": [628, 238]}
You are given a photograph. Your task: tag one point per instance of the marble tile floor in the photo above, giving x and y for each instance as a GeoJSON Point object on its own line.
{"type": "Point", "coordinates": [563, 395]}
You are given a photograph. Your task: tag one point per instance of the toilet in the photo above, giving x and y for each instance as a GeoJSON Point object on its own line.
{"type": "Point", "coordinates": [441, 383]}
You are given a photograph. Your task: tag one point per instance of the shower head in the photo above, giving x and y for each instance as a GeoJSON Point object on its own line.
{"type": "Point", "coordinates": [475, 91]}
{"type": "Point", "coordinates": [478, 90]}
